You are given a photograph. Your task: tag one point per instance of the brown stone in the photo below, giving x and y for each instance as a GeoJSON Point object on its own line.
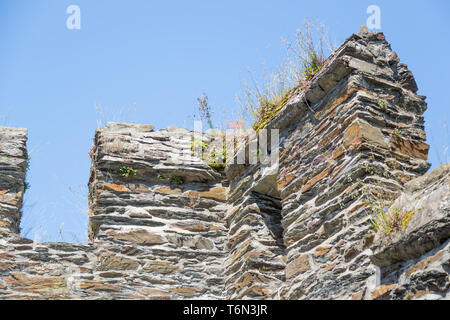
{"type": "Point", "coordinates": [344, 96]}
{"type": "Point", "coordinates": [351, 252]}
{"type": "Point", "coordinates": [412, 148]}
{"type": "Point", "coordinates": [155, 294]}
{"type": "Point", "coordinates": [162, 267]}
{"type": "Point", "coordinates": [33, 284]}
{"type": "Point", "coordinates": [97, 285]}
{"type": "Point", "coordinates": [5, 224]}
{"type": "Point", "coordinates": [116, 187]}
{"type": "Point", "coordinates": [6, 266]}
{"type": "Point", "coordinates": [249, 278]}
{"type": "Point", "coordinates": [6, 256]}
{"type": "Point", "coordinates": [252, 254]}
{"type": "Point", "coordinates": [340, 243]}
{"type": "Point", "coordinates": [283, 181]}
{"type": "Point", "coordinates": [283, 155]}
{"type": "Point", "coordinates": [329, 267]}
{"type": "Point", "coordinates": [338, 153]}
{"type": "Point", "coordinates": [357, 206]}
{"type": "Point", "coordinates": [111, 274]}
{"type": "Point", "coordinates": [292, 195]}
{"type": "Point", "coordinates": [323, 126]}
{"type": "Point", "coordinates": [320, 251]}
{"type": "Point", "coordinates": [236, 238]}
{"type": "Point", "coordinates": [314, 180]}
{"type": "Point", "coordinates": [360, 132]}
{"type": "Point", "coordinates": [358, 295]}
{"type": "Point", "coordinates": [138, 187]}
{"type": "Point", "coordinates": [382, 291]}
{"type": "Point", "coordinates": [216, 193]}
{"type": "Point", "coordinates": [140, 236]}
{"type": "Point", "coordinates": [2, 192]}
{"type": "Point", "coordinates": [336, 172]}
{"type": "Point", "coordinates": [116, 262]}
{"type": "Point", "coordinates": [368, 240]}
{"type": "Point", "coordinates": [23, 248]}
{"type": "Point", "coordinates": [196, 226]}
{"type": "Point", "coordinates": [241, 250]}
{"type": "Point", "coordinates": [296, 266]}
{"type": "Point", "coordinates": [260, 291]}
{"type": "Point", "coordinates": [168, 190]}
{"type": "Point", "coordinates": [185, 291]}
{"type": "Point", "coordinates": [139, 214]}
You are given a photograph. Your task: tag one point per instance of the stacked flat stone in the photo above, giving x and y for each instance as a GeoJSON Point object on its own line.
{"type": "Point", "coordinates": [165, 225]}
{"type": "Point", "coordinates": [13, 164]}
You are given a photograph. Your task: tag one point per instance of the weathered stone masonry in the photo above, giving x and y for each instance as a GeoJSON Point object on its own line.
{"type": "Point", "coordinates": [161, 229]}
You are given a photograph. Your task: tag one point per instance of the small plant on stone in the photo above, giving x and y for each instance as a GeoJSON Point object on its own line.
{"type": "Point", "coordinates": [314, 65]}
{"type": "Point", "coordinates": [383, 105]}
{"type": "Point", "coordinates": [397, 133]}
{"type": "Point", "coordinates": [174, 179]}
{"type": "Point", "coordinates": [205, 110]}
{"type": "Point", "coordinates": [196, 145]}
{"type": "Point", "coordinates": [218, 159]}
{"type": "Point", "coordinates": [385, 218]}
{"type": "Point", "coordinates": [266, 94]}
{"type": "Point", "coordinates": [127, 172]}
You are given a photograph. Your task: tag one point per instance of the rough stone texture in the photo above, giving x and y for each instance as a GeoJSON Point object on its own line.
{"type": "Point", "coordinates": [166, 234]}
{"type": "Point", "coordinates": [152, 236]}
{"type": "Point", "coordinates": [13, 164]}
{"type": "Point", "coordinates": [161, 228]}
{"type": "Point", "coordinates": [415, 263]}
{"type": "Point", "coordinates": [336, 141]}
{"type": "Point", "coordinates": [255, 265]}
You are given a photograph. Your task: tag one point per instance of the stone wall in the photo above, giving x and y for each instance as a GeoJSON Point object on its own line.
{"type": "Point", "coordinates": [166, 225]}
{"type": "Point", "coordinates": [163, 227]}
{"type": "Point", "coordinates": [13, 166]}
{"type": "Point", "coordinates": [415, 263]}
{"type": "Point", "coordinates": [357, 129]}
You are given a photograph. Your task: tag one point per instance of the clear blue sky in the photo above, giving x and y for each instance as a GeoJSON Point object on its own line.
{"type": "Point", "coordinates": [152, 59]}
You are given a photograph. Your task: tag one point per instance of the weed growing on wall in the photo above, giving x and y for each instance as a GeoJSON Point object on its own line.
{"type": "Point", "coordinates": [174, 179]}
{"type": "Point", "coordinates": [384, 217]}
{"type": "Point", "coordinates": [198, 145]}
{"type": "Point", "coordinates": [263, 98]}
{"type": "Point", "coordinates": [127, 172]}
{"type": "Point", "coordinates": [205, 110]}
{"type": "Point", "coordinates": [218, 158]}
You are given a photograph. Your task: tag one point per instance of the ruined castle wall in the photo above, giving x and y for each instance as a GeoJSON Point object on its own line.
{"type": "Point", "coordinates": [364, 135]}
{"type": "Point", "coordinates": [29, 269]}
{"type": "Point", "coordinates": [162, 226]}
{"type": "Point", "coordinates": [356, 128]}
{"type": "Point", "coordinates": [13, 166]}
{"type": "Point", "coordinates": [155, 234]}
{"type": "Point", "coordinates": [254, 267]}
{"type": "Point", "coordinates": [165, 225]}
{"type": "Point", "coordinates": [415, 263]}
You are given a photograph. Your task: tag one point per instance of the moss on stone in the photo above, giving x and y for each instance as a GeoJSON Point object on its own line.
{"type": "Point", "coordinates": [272, 112]}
